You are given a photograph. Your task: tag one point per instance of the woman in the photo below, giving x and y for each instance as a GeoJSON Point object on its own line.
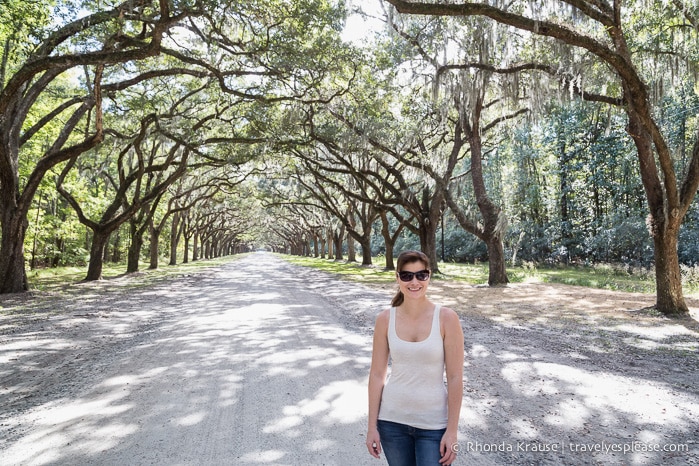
{"type": "Point", "coordinates": [412, 417]}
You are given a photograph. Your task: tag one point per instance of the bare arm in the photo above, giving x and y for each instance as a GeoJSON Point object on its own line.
{"type": "Point", "coordinates": [454, 363]}
{"type": "Point", "coordinates": [377, 379]}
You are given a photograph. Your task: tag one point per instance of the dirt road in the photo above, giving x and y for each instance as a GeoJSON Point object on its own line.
{"type": "Point", "coordinates": [246, 364]}
{"type": "Point", "coordinates": [262, 362]}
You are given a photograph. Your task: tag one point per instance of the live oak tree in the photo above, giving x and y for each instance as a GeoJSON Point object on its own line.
{"type": "Point", "coordinates": [480, 98]}
{"type": "Point", "coordinates": [266, 51]}
{"type": "Point", "coordinates": [294, 226]}
{"type": "Point", "coordinates": [287, 199]}
{"type": "Point", "coordinates": [279, 54]}
{"type": "Point", "coordinates": [133, 30]}
{"type": "Point", "coordinates": [399, 152]}
{"type": "Point", "coordinates": [225, 223]}
{"type": "Point", "coordinates": [422, 144]}
{"type": "Point", "coordinates": [291, 220]}
{"type": "Point", "coordinates": [375, 183]}
{"type": "Point", "coordinates": [221, 148]}
{"type": "Point", "coordinates": [142, 174]}
{"type": "Point", "coordinates": [182, 199]}
{"type": "Point", "coordinates": [625, 42]}
{"type": "Point", "coordinates": [346, 198]}
{"type": "Point", "coordinates": [338, 152]}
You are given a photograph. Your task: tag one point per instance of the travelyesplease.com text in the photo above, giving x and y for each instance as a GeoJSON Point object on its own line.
{"type": "Point", "coordinates": [573, 447]}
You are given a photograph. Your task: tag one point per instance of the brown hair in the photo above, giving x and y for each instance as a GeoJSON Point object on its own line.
{"type": "Point", "coordinates": [408, 257]}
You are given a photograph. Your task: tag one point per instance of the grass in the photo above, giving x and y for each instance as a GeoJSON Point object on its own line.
{"type": "Point", "coordinates": [51, 278]}
{"type": "Point", "coordinates": [597, 277]}
{"type": "Point", "coordinates": [352, 271]}
{"type": "Point", "coordinates": [601, 276]}
{"type": "Point", "coordinates": [604, 276]}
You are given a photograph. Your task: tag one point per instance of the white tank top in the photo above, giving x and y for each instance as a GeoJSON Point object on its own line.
{"type": "Point", "coordinates": [415, 393]}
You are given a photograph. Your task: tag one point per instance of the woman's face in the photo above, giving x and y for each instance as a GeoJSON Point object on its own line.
{"type": "Point", "coordinates": [414, 288]}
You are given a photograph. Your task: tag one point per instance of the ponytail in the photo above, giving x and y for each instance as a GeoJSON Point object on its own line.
{"type": "Point", "coordinates": [397, 299]}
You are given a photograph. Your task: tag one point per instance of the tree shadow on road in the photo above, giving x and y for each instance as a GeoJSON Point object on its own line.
{"type": "Point", "coordinates": [261, 362]}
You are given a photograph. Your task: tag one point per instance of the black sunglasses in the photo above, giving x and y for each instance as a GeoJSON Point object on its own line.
{"type": "Point", "coordinates": [422, 275]}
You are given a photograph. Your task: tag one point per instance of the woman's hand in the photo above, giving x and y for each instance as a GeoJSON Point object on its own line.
{"type": "Point", "coordinates": [448, 448]}
{"type": "Point", "coordinates": [373, 443]}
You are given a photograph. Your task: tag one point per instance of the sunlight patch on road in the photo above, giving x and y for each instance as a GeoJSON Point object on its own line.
{"type": "Point", "coordinates": [262, 457]}
{"type": "Point", "coordinates": [23, 349]}
{"type": "Point", "coordinates": [570, 397]}
{"type": "Point", "coordinates": [58, 428]}
{"type": "Point", "coordinates": [283, 425]}
{"type": "Point", "coordinates": [335, 335]}
{"type": "Point", "coordinates": [658, 337]}
{"type": "Point", "coordinates": [658, 333]}
{"type": "Point", "coordinates": [294, 356]}
{"type": "Point", "coordinates": [107, 404]}
{"type": "Point", "coordinates": [342, 401]}
{"type": "Point", "coordinates": [191, 419]}
{"type": "Point", "coordinates": [479, 351]}
{"type": "Point", "coordinates": [474, 412]}
{"type": "Point", "coordinates": [335, 361]}
{"type": "Point", "coordinates": [509, 356]}
{"type": "Point", "coordinates": [320, 445]}
{"type": "Point", "coordinates": [229, 388]}
{"type": "Point", "coordinates": [254, 297]}
{"type": "Point", "coordinates": [344, 398]}
{"type": "Point", "coordinates": [568, 413]}
{"type": "Point", "coordinates": [524, 429]}
{"type": "Point", "coordinates": [297, 363]}
{"type": "Point", "coordinates": [252, 312]}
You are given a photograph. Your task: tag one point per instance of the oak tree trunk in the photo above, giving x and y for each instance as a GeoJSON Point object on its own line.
{"type": "Point", "coordinates": [664, 223]}
{"type": "Point", "coordinates": [428, 242]}
{"type": "Point", "coordinates": [668, 280]}
{"type": "Point", "coordinates": [185, 258]}
{"type": "Point", "coordinates": [12, 270]}
{"type": "Point", "coordinates": [174, 237]}
{"type": "Point", "coordinates": [134, 254]}
{"type": "Point", "coordinates": [337, 239]}
{"type": "Point", "coordinates": [153, 249]}
{"type": "Point", "coordinates": [99, 244]}
{"type": "Point", "coordinates": [497, 273]}
{"type": "Point", "coordinates": [389, 239]}
{"type": "Point", "coordinates": [365, 243]}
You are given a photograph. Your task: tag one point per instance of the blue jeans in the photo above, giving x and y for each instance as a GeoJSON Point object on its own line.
{"type": "Point", "coordinates": [409, 446]}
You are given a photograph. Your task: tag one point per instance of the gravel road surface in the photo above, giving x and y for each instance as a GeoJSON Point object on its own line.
{"type": "Point", "coordinates": [251, 363]}
{"type": "Point", "coordinates": [262, 362]}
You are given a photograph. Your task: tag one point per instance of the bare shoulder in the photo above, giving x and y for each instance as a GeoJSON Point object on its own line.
{"type": "Point", "coordinates": [382, 318]}
{"type": "Point", "coordinates": [381, 327]}
{"type": "Point", "coordinates": [448, 315]}
{"type": "Point", "coordinates": [450, 324]}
